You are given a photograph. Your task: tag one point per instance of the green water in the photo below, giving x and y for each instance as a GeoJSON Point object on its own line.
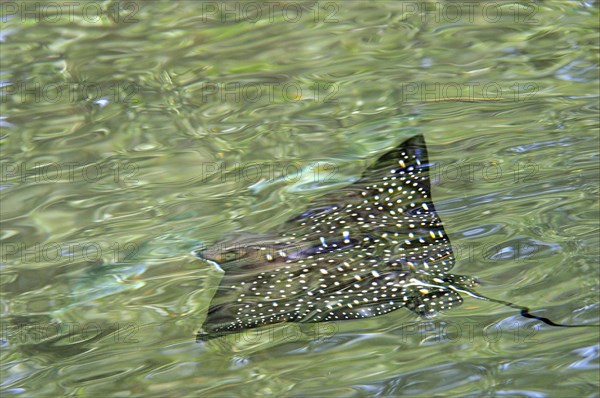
{"type": "Point", "coordinates": [133, 133]}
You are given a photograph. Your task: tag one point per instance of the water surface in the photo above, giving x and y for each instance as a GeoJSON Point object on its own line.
{"type": "Point", "coordinates": [130, 139]}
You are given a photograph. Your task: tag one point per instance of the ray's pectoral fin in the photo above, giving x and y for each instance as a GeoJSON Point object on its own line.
{"type": "Point", "coordinates": [219, 316]}
{"type": "Point", "coordinates": [410, 156]}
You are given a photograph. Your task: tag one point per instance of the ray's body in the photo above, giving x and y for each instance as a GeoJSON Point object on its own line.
{"type": "Point", "coordinates": [370, 248]}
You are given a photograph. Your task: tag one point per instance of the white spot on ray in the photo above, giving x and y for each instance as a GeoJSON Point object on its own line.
{"type": "Point", "coordinates": [346, 236]}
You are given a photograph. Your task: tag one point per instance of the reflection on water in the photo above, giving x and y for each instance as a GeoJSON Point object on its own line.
{"type": "Point", "coordinates": [132, 138]}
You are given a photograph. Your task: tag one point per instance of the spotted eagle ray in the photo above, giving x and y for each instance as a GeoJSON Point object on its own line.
{"type": "Point", "coordinates": [365, 250]}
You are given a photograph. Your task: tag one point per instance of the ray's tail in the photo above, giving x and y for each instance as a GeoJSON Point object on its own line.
{"type": "Point", "coordinates": [524, 311]}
